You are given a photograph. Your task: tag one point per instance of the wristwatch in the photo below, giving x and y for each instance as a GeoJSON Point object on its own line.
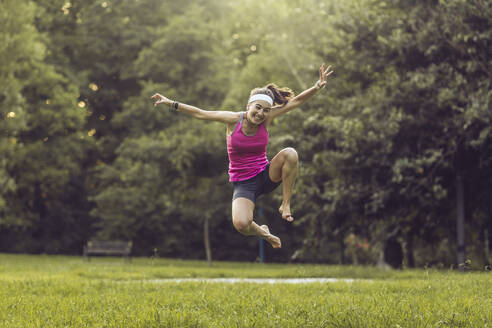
{"type": "Point", "coordinates": [174, 106]}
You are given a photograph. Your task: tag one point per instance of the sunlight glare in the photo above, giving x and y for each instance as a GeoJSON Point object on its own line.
{"type": "Point", "coordinates": [66, 8]}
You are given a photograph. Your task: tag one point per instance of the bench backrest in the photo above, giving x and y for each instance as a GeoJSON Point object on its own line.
{"type": "Point", "coordinates": [109, 246]}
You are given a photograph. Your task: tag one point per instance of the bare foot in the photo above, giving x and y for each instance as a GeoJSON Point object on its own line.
{"type": "Point", "coordinates": [284, 209]}
{"type": "Point", "coordinates": [273, 240]}
{"type": "Point", "coordinates": [265, 227]}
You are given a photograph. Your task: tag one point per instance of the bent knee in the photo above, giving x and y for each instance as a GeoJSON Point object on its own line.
{"type": "Point", "coordinates": [291, 155]}
{"type": "Point", "coordinates": [241, 224]}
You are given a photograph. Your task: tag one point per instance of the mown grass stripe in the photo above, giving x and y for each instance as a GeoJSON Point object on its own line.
{"type": "Point", "coordinates": [49, 291]}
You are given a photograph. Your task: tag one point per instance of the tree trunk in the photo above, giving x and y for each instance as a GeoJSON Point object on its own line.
{"type": "Point", "coordinates": [342, 249]}
{"type": "Point", "coordinates": [206, 239]}
{"type": "Point", "coordinates": [409, 252]}
{"type": "Point", "coordinates": [460, 223]}
{"type": "Point", "coordinates": [486, 246]}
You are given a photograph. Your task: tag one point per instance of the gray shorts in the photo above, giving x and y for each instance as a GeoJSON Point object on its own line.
{"type": "Point", "coordinates": [255, 186]}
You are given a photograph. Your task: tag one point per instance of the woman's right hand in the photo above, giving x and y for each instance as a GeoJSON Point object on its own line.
{"type": "Point", "coordinates": [159, 99]}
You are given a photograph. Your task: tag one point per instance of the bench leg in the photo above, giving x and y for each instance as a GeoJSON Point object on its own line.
{"type": "Point", "coordinates": [84, 254]}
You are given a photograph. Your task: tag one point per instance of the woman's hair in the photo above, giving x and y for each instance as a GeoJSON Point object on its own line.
{"type": "Point", "coordinates": [280, 96]}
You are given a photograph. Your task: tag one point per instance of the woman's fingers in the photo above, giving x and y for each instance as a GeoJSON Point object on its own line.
{"type": "Point", "coordinates": [327, 72]}
{"type": "Point", "coordinates": [159, 99]}
{"type": "Point", "coordinates": [158, 96]}
{"type": "Point", "coordinates": [323, 74]}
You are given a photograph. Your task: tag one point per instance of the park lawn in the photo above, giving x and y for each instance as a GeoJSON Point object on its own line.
{"type": "Point", "coordinates": [59, 291]}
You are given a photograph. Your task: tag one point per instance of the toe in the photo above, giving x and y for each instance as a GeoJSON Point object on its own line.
{"type": "Point", "coordinates": [288, 217]}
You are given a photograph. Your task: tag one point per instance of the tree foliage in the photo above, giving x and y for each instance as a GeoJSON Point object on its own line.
{"type": "Point", "coordinates": [84, 154]}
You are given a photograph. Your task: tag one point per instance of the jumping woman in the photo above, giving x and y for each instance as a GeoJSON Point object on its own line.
{"type": "Point", "coordinates": [247, 138]}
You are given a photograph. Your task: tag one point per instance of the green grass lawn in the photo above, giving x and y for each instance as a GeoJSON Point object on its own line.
{"type": "Point", "coordinates": [60, 291]}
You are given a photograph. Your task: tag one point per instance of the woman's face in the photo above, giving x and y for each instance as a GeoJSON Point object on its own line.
{"type": "Point", "coordinates": [258, 111]}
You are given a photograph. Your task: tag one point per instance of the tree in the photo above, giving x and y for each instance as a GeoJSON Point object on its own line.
{"type": "Point", "coordinates": [409, 117]}
{"type": "Point", "coordinates": [49, 152]}
{"type": "Point", "coordinates": [17, 42]}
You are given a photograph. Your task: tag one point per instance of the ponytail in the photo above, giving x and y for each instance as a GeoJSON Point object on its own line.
{"type": "Point", "coordinates": [280, 96]}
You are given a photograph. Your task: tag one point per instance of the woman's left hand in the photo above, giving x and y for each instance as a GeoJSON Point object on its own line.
{"type": "Point", "coordinates": [323, 75]}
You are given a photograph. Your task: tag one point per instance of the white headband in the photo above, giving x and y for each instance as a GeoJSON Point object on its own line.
{"type": "Point", "coordinates": [261, 96]}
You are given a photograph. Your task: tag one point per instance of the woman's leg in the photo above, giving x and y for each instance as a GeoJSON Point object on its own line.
{"type": "Point", "coordinates": [283, 167]}
{"type": "Point", "coordinates": [242, 219]}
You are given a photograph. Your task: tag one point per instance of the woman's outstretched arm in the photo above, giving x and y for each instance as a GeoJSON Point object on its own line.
{"type": "Point", "coordinates": [305, 95]}
{"type": "Point", "coordinates": [208, 115]}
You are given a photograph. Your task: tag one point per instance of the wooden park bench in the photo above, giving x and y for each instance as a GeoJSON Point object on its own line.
{"type": "Point", "coordinates": [108, 247]}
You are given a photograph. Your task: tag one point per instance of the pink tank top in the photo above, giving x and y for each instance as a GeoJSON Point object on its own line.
{"type": "Point", "coordinates": [247, 154]}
